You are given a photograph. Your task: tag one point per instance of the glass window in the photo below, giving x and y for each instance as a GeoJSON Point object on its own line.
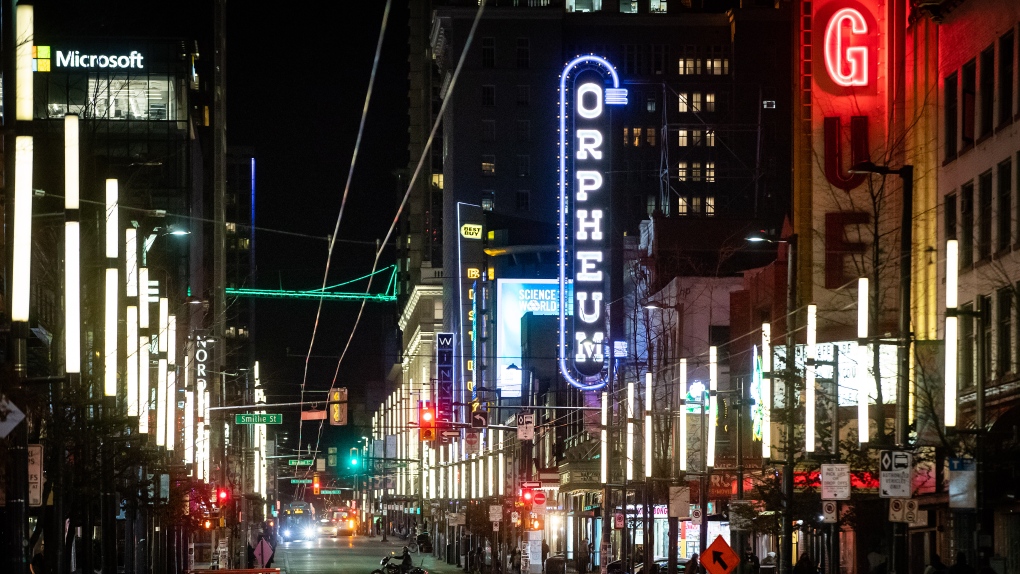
{"type": "Point", "coordinates": [523, 95]}
{"type": "Point", "coordinates": [231, 228]}
{"type": "Point", "coordinates": [984, 227]}
{"type": "Point", "coordinates": [658, 58]}
{"type": "Point", "coordinates": [488, 52]}
{"type": "Point", "coordinates": [710, 138]}
{"type": "Point", "coordinates": [695, 205]}
{"type": "Point", "coordinates": [626, 136]}
{"type": "Point", "coordinates": [681, 171]}
{"type": "Point", "coordinates": [682, 207]}
{"type": "Point", "coordinates": [710, 171]}
{"type": "Point", "coordinates": [651, 102]}
{"type": "Point", "coordinates": [1006, 48]}
{"type": "Point", "coordinates": [710, 205]}
{"type": "Point", "coordinates": [523, 53]}
{"type": "Point", "coordinates": [488, 165]}
{"type": "Point", "coordinates": [628, 6]}
{"type": "Point", "coordinates": [1004, 210]}
{"type": "Point", "coordinates": [968, 81]}
{"type": "Point", "coordinates": [696, 102]}
{"type": "Point", "coordinates": [696, 138]}
{"type": "Point", "coordinates": [488, 95]}
{"type": "Point", "coordinates": [987, 89]}
{"type": "Point", "coordinates": [636, 135]}
{"type": "Point", "coordinates": [523, 165]}
{"type": "Point", "coordinates": [709, 102]}
{"type": "Point", "coordinates": [683, 140]}
{"type": "Point", "coordinates": [683, 102]}
{"type": "Point", "coordinates": [950, 213]}
{"type": "Point", "coordinates": [717, 66]}
{"type": "Point", "coordinates": [650, 136]}
{"type": "Point", "coordinates": [966, 226]}
{"type": "Point", "coordinates": [696, 171]}
{"type": "Point", "coordinates": [985, 301]}
{"type": "Point", "coordinates": [488, 199]}
{"type": "Point", "coordinates": [523, 130]}
{"type": "Point", "coordinates": [523, 200]}
{"type": "Point", "coordinates": [1004, 314]}
{"type": "Point", "coordinates": [117, 98]}
{"type": "Point", "coordinates": [950, 95]}
{"type": "Point", "coordinates": [967, 346]}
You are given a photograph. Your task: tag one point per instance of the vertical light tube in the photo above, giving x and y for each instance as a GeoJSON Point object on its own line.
{"type": "Point", "coordinates": [143, 298]}
{"type": "Point", "coordinates": [502, 467]}
{"type": "Point", "coordinates": [110, 335]}
{"type": "Point", "coordinates": [23, 46]}
{"type": "Point", "coordinates": [131, 261]}
{"type": "Point", "coordinates": [189, 427]}
{"type": "Point", "coordinates": [72, 248]}
{"type": "Point", "coordinates": [171, 339]}
{"type": "Point", "coordinates": [809, 378]}
{"type": "Point", "coordinates": [144, 401]}
{"type": "Point", "coordinates": [604, 458]}
{"type": "Point", "coordinates": [648, 425]}
{"type": "Point", "coordinates": [683, 416]}
{"type": "Point", "coordinates": [112, 219]}
{"type": "Point", "coordinates": [161, 399]}
{"type": "Point", "coordinates": [713, 410]}
{"type": "Point", "coordinates": [766, 390]}
{"type": "Point", "coordinates": [952, 330]}
{"type": "Point", "coordinates": [630, 431]}
{"type": "Point", "coordinates": [132, 361]}
{"type": "Point", "coordinates": [863, 358]}
{"type": "Point", "coordinates": [23, 152]}
{"type": "Point", "coordinates": [164, 324]}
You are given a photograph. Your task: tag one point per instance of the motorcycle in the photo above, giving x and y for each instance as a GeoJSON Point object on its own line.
{"type": "Point", "coordinates": [390, 566]}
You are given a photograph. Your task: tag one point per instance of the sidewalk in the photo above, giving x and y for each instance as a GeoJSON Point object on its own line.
{"type": "Point", "coordinates": [426, 561]}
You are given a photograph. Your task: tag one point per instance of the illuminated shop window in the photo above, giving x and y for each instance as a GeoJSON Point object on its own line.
{"type": "Point", "coordinates": [488, 165]}
{"type": "Point", "coordinates": [116, 98]}
{"type": "Point", "coordinates": [682, 207]}
{"type": "Point", "coordinates": [709, 102]}
{"type": "Point", "coordinates": [681, 171]}
{"type": "Point", "coordinates": [683, 102]}
{"type": "Point", "coordinates": [710, 138]}
{"type": "Point", "coordinates": [650, 136]}
{"type": "Point", "coordinates": [710, 205]}
{"type": "Point", "coordinates": [710, 171]}
{"type": "Point", "coordinates": [682, 138]}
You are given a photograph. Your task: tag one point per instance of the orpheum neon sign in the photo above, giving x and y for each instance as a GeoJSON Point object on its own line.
{"type": "Point", "coordinates": [847, 65]}
{"type": "Point", "coordinates": [584, 245]}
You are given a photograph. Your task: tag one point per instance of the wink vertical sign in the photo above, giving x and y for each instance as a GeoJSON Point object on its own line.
{"type": "Point", "coordinates": [588, 85]}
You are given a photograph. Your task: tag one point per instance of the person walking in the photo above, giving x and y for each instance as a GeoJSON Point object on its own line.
{"type": "Point", "coordinates": [805, 565]}
{"type": "Point", "coordinates": [935, 566]}
{"type": "Point", "coordinates": [693, 566]}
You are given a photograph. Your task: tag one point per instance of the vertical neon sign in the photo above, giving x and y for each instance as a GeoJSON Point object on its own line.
{"type": "Point", "coordinates": [584, 246]}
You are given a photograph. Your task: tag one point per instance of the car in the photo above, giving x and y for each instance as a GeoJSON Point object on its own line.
{"type": "Point", "coordinates": [347, 526]}
{"type": "Point", "coordinates": [661, 566]}
{"type": "Point", "coordinates": [327, 528]}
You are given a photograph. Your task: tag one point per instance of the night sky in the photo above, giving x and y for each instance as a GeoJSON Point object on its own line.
{"type": "Point", "coordinates": [296, 81]}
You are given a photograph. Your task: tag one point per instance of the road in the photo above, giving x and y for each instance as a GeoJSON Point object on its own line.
{"type": "Point", "coordinates": [347, 554]}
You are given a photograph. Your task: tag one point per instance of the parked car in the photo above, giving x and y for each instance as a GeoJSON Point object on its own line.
{"type": "Point", "coordinates": [661, 566]}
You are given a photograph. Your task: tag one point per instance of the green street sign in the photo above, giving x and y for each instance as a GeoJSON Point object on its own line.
{"type": "Point", "coordinates": [330, 491]}
{"type": "Point", "coordinates": [300, 481]}
{"type": "Point", "coordinates": [258, 419]}
{"type": "Point", "coordinates": [296, 462]}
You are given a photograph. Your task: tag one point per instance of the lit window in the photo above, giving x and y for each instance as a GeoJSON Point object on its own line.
{"type": "Point", "coordinates": [488, 200]}
{"type": "Point", "coordinates": [636, 133]}
{"type": "Point", "coordinates": [626, 136]}
{"type": "Point", "coordinates": [696, 137]}
{"type": "Point", "coordinates": [650, 136]}
{"type": "Point", "coordinates": [683, 102]}
{"type": "Point", "coordinates": [710, 171]}
{"type": "Point", "coordinates": [695, 205]}
{"type": "Point", "coordinates": [718, 66]}
{"type": "Point", "coordinates": [682, 207]}
{"type": "Point", "coordinates": [682, 139]}
{"type": "Point", "coordinates": [681, 171]}
{"type": "Point", "coordinates": [710, 138]}
{"type": "Point", "coordinates": [696, 102]}
{"type": "Point", "coordinates": [488, 165]}
{"type": "Point", "coordinates": [709, 102]}
{"type": "Point", "coordinates": [696, 171]}
{"type": "Point", "coordinates": [231, 228]}
{"type": "Point", "coordinates": [650, 104]}
{"type": "Point", "coordinates": [243, 243]}
{"type": "Point", "coordinates": [710, 205]}
{"type": "Point", "coordinates": [437, 180]}
{"type": "Point", "coordinates": [689, 66]}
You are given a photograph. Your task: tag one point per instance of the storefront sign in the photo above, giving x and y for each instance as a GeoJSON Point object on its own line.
{"type": "Point", "coordinates": [584, 241]}
{"type": "Point", "coordinates": [847, 65]}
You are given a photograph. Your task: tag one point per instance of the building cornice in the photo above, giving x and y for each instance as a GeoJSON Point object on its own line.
{"type": "Point", "coordinates": [412, 302]}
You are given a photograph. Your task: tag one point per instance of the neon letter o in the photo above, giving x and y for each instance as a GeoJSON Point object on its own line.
{"type": "Point", "coordinates": [589, 113]}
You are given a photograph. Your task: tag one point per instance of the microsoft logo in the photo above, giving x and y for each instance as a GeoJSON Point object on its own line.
{"type": "Point", "coordinates": [40, 58]}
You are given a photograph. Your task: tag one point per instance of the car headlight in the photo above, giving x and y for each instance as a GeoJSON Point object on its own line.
{"type": "Point", "coordinates": [286, 533]}
{"type": "Point", "coordinates": [309, 532]}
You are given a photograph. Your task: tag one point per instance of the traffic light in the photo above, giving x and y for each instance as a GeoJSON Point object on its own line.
{"type": "Point", "coordinates": [315, 484]}
{"type": "Point", "coordinates": [527, 497]}
{"type": "Point", "coordinates": [222, 496]}
{"type": "Point", "coordinates": [354, 456]}
{"type": "Point", "coordinates": [207, 524]}
{"type": "Point", "coordinates": [536, 522]}
{"type": "Point", "coordinates": [427, 421]}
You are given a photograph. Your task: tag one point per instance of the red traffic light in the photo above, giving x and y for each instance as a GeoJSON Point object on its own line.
{"type": "Point", "coordinates": [527, 495]}
{"type": "Point", "coordinates": [427, 416]}
{"type": "Point", "coordinates": [222, 495]}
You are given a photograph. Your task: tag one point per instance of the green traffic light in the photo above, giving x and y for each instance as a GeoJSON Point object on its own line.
{"type": "Point", "coordinates": [354, 462]}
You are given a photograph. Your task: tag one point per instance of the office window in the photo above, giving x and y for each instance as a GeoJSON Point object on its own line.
{"type": "Point", "coordinates": [488, 130]}
{"type": "Point", "coordinates": [710, 171]}
{"type": "Point", "coordinates": [626, 136]}
{"type": "Point", "coordinates": [696, 138]}
{"type": "Point", "coordinates": [985, 301]}
{"type": "Point", "coordinates": [488, 95]}
{"type": "Point", "coordinates": [696, 171]}
{"type": "Point", "coordinates": [1004, 331]}
{"type": "Point", "coordinates": [682, 138]}
{"type": "Point", "coordinates": [1004, 216]}
{"type": "Point", "coordinates": [523, 130]}
{"type": "Point", "coordinates": [658, 59]}
{"type": "Point", "coordinates": [951, 143]}
{"type": "Point", "coordinates": [710, 205]}
{"type": "Point", "coordinates": [488, 52]}
{"type": "Point", "coordinates": [1006, 49]}
{"type": "Point", "coordinates": [695, 205]}
{"type": "Point", "coordinates": [950, 214]}
{"type": "Point", "coordinates": [717, 66]}
{"type": "Point", "coordinates": [984, 227]}
{"type": "Point", "coordinates": [689, 66]}
{"type": "Point", "coordinates": [681, 171]}
{"type": "Point", "coordinates": [628, 6]}
{"type": "Point", "coordinates": [987, 89]}
{"type": "Point", "coordinates": [966, 226]}
{"type": "Point", "coordinates": [696, 102]}
{"type": "Point", "coordinates": [523, 53]}
{"type": "Point", "coordinates": [488, 200]}
{"type": "Point", "coordinates": [488, 165]}
{"type": "Point", "coordinates": [650, 136]}
{"type": "Point", "coordinates": [683, 102]}
{"type": "Point", "coordinates": [681, 208]}
{"type": "Point", "coordinates": [636, 137]}
{"type": "Point", "coordinates": [523, 165]}
{"type": "Point", "coordinates": [523, 95]}
{"type": "Point", "coordinates": [231, 228]}
{"type": "Point", "coordinates": [650, 103]}
{"type": "Point", "coordinates": [969, 91]}
{"type": "Point", "coordinates": [710, 138]}
{"type": "Point", "coordinates": [710, 102]}
{"type": "Point", "coordinates": [967, 342]}
{"type": "Point", "coordinates": [523, 200]}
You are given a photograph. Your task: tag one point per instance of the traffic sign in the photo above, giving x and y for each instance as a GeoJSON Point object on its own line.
{"type": "Point", "coordinates": [894, 474]}
{"type": "Point", "coordinates": [471, 442]}
{"type": "Point", "coordinates": [910, 511]}
{"type": "Point", "coordinates": [263, 552]}
{"type": "Point", "coordinates": [495, 513]}
{"type": "Point", "coordinates": [480, 419]}
{"type": "Point", "coordinates": [495, 527]}
{"type": "Point", "coordinates": [618, 521]}
{"type": "Point", "coordinates": [525, 427]}
{"type": "Point", "coordinates": [300, 481]}
{"type": "Point", "coordinates": [696, 516]}
{"type": "Point", "coordinates": [531, 484]}
{"type": "Point", "coordinates": [450, 434]}
{"type": "Point", "coordinates": [302, 462]}
{"type": "Point", "coordinates": [330, 491]}
{"type": "Point", "coordinates": [258, 419]}
{"type": "Point", "coordinates": [896, 508]}
{"type": "Point", "coordinates": [719, 558]}
{"type": "Point", "coordinates": [540, 498]}
{"type": "Point", "coordinates": [829, 511]}
{"type": "Point", "coordinates": [835, 482]}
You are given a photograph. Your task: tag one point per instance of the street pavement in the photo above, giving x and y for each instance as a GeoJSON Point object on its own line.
{"type": "Point", "coordinates": [348, 554]}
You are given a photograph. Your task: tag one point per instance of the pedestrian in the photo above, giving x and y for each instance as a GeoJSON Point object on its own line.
{"type": "Point", "coordinates": [582, 557]}
{"type": "Point", "coordinates": [751, 563]}
{"type": "Point", "coordinates": [961, 566]}
{"type": "Point", "coordinates": [693, 567]}
{"type": "Point", "coordinates": [515, 561]}
{"type": "Point", "coordinates": [545, 552]}
{"type": "Point", "coordinates": [935, 566]}
{"type": "Point", "coordinates": [805, 565]}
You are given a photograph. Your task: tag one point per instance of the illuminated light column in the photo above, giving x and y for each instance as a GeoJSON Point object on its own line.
{"type": "Point", "coordinates": [604, 458]}
{"type": "Point", "coordinates": [809, 378]}
{"type": "Point", "coordinates": [952, 329]}
{"type": "Point", "coordinates": [683, 416]}
{"type": "Point", "coordinates": [112, 288]}
{"type": "Point", "coordinates": [492, 487]}
{"type": "Point", "coordinates": [648, 425]}
{"type": "Point", "coordinates": [23, 156]}
{"type": "Point", "coordinates": [189, 427]}
{"type": "Point", "coordinates": [502, 468]}
{"type": "Point", "coordinates": [766, 390]}
{"type": "Point", "coordinates": [713, 407]}
{"type": "Point", "coordinates": [863, 426]}
{"type": "Point", "coordinates": [72, 248]}
{"type": "Point", "coordinates": [143, 298]}
{"type": "Point", "coordinates": [144, 400]}
{"type": "Point", "coordinates": [132, 360]}
{"type": "Point", "coordinates": [630, 431]}
{"type": "Point", "coordinates": [171, 382]}
{"type": "Point", "coordinates": [161, 376]}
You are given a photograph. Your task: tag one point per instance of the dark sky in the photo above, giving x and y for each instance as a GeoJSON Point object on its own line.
{"type": "Point", "coordinates": [296, 81]}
